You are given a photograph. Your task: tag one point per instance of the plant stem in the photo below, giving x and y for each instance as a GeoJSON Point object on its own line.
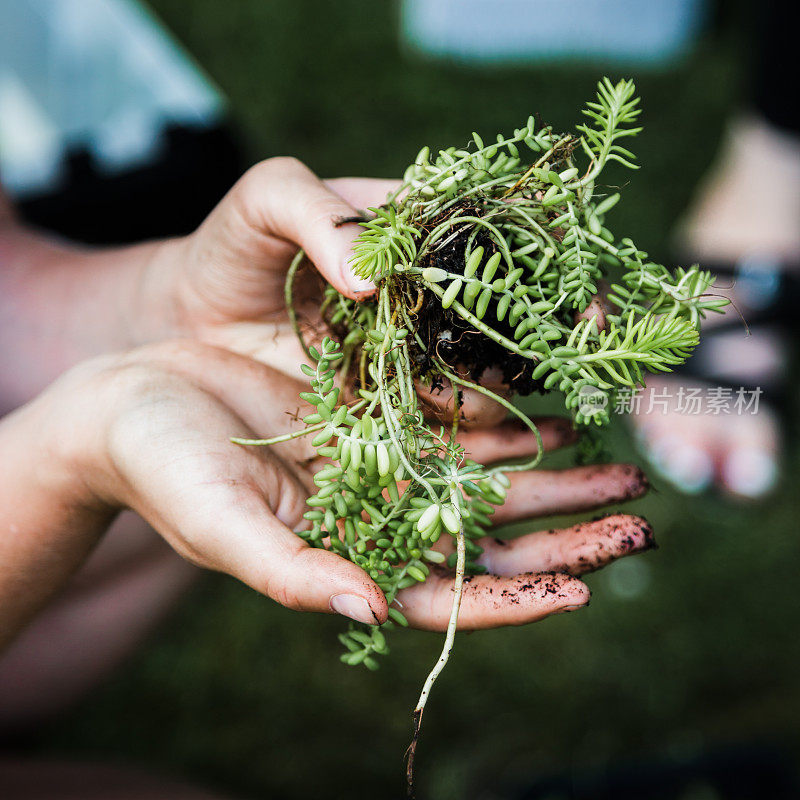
{"type": "Point", "coordinates": [458, 588]}
{"type": "Point", "coordinates": [464, 313]}
{"type": "Point", "coordinates": [539, 162]}
{"type": "Point", "coordinates": [289, 300]}
{"type": "Point", "coordinates": [286, 437]}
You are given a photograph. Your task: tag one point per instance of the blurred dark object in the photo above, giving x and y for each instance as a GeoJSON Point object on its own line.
{"type": "Point", "coordinates": [747, 772]}
{"type": "Point", "coordinates": [776, 39]}
{"type": "Point", "coordinates": [169, 195]}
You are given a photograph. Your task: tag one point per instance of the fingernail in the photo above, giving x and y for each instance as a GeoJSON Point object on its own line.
{"type": "Point", "coordinates": [567, 609]}
{"type": "Point", "coordinates": [688, 467]}
{"type": "Point", "coordinates": [750, 472]}
{"type": "Point", "coordinates": [356, 284]}
{"type": "Point", "coordinates": [353, 606]}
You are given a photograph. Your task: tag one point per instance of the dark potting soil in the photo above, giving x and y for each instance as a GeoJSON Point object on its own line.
{"type": "Point", "coordinates": [457, 343]}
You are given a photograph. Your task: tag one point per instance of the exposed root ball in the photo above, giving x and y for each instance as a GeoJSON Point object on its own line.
{"type": "Point", "coordinates": [446, 335]}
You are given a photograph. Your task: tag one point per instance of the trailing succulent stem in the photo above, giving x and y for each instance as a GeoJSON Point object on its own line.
{"type": "Point", "coordinates": [486, 256]}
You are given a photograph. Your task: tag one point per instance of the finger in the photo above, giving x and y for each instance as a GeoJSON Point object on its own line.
{"type": "Point", "coordinates": [276, 562]}
{"type": "Point", "coordinates": [575, 550]}
{"type": "Point", "coordinates": [598, 307]}
{"type": "Point", "coordinates": [240, 525]}
{"type": "Point", "coordinates": [269, 557]}
{"type": "Point", "coordinates": [513, 439]}
{"type": "Point", "coordinates": [489, 601]}
{"type": "Point", "coordinates": [283, 198]}
{"type": "Point", "coordinates": [475, 409]}
{"type": "Point", "coordinates": [537, 493]}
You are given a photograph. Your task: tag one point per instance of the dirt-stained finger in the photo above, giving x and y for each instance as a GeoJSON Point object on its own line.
{"type": "Point", "coordinates": [489, 601]}
{"type": "Point", "coordinates": [542, 492]}
{"type": "Point", "coordinates": [575, 550]}
{"type": "Point", "coordinates": [513, 439]}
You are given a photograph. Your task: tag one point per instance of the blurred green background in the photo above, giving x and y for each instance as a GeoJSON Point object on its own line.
{"type": "Point", "coordinates": [687, 648]}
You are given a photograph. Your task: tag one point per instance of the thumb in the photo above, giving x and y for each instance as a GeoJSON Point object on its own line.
{"type": "Point", "coordinates": [251, 542]}
{"type": "Point", "coordinates": [283, 198]}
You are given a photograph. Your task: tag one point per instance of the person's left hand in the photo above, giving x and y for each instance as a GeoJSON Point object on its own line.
{"type": "Point", "coordinates": [534, 575]}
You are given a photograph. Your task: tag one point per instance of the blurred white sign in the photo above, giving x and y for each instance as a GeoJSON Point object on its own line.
{"type": "Point", "coordinates": [629, 31]}
{"type": "Point", "coordinates": [97, 73]}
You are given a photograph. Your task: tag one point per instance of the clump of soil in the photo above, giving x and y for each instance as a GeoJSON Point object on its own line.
{"type": "Point", "coordinates": [453, 339]}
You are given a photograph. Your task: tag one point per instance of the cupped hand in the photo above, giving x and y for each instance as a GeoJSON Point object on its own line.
{"type": "Point", "coordinates": [534, 575]}
{"type": "Point", "coordinates": [155, 438]}
{"type": "Point", "coordinates": [224, 283]}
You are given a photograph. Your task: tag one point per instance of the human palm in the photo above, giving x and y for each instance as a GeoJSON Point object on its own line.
{"type": "Point", "coordinates": [166, 453]}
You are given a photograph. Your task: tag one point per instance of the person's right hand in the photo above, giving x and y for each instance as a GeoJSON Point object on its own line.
{"type": "Point", "coordinates": [150, 430]}
{"type": "Point", "coordinates": [224, 283]}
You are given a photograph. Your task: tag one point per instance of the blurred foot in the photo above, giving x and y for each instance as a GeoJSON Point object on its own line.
{"type": "Point", "coordinates": [695, 432]}
{"type": "Point", "coordinates": [749, 205]}
{"type": "Point", "coordinates": [697, 437]}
